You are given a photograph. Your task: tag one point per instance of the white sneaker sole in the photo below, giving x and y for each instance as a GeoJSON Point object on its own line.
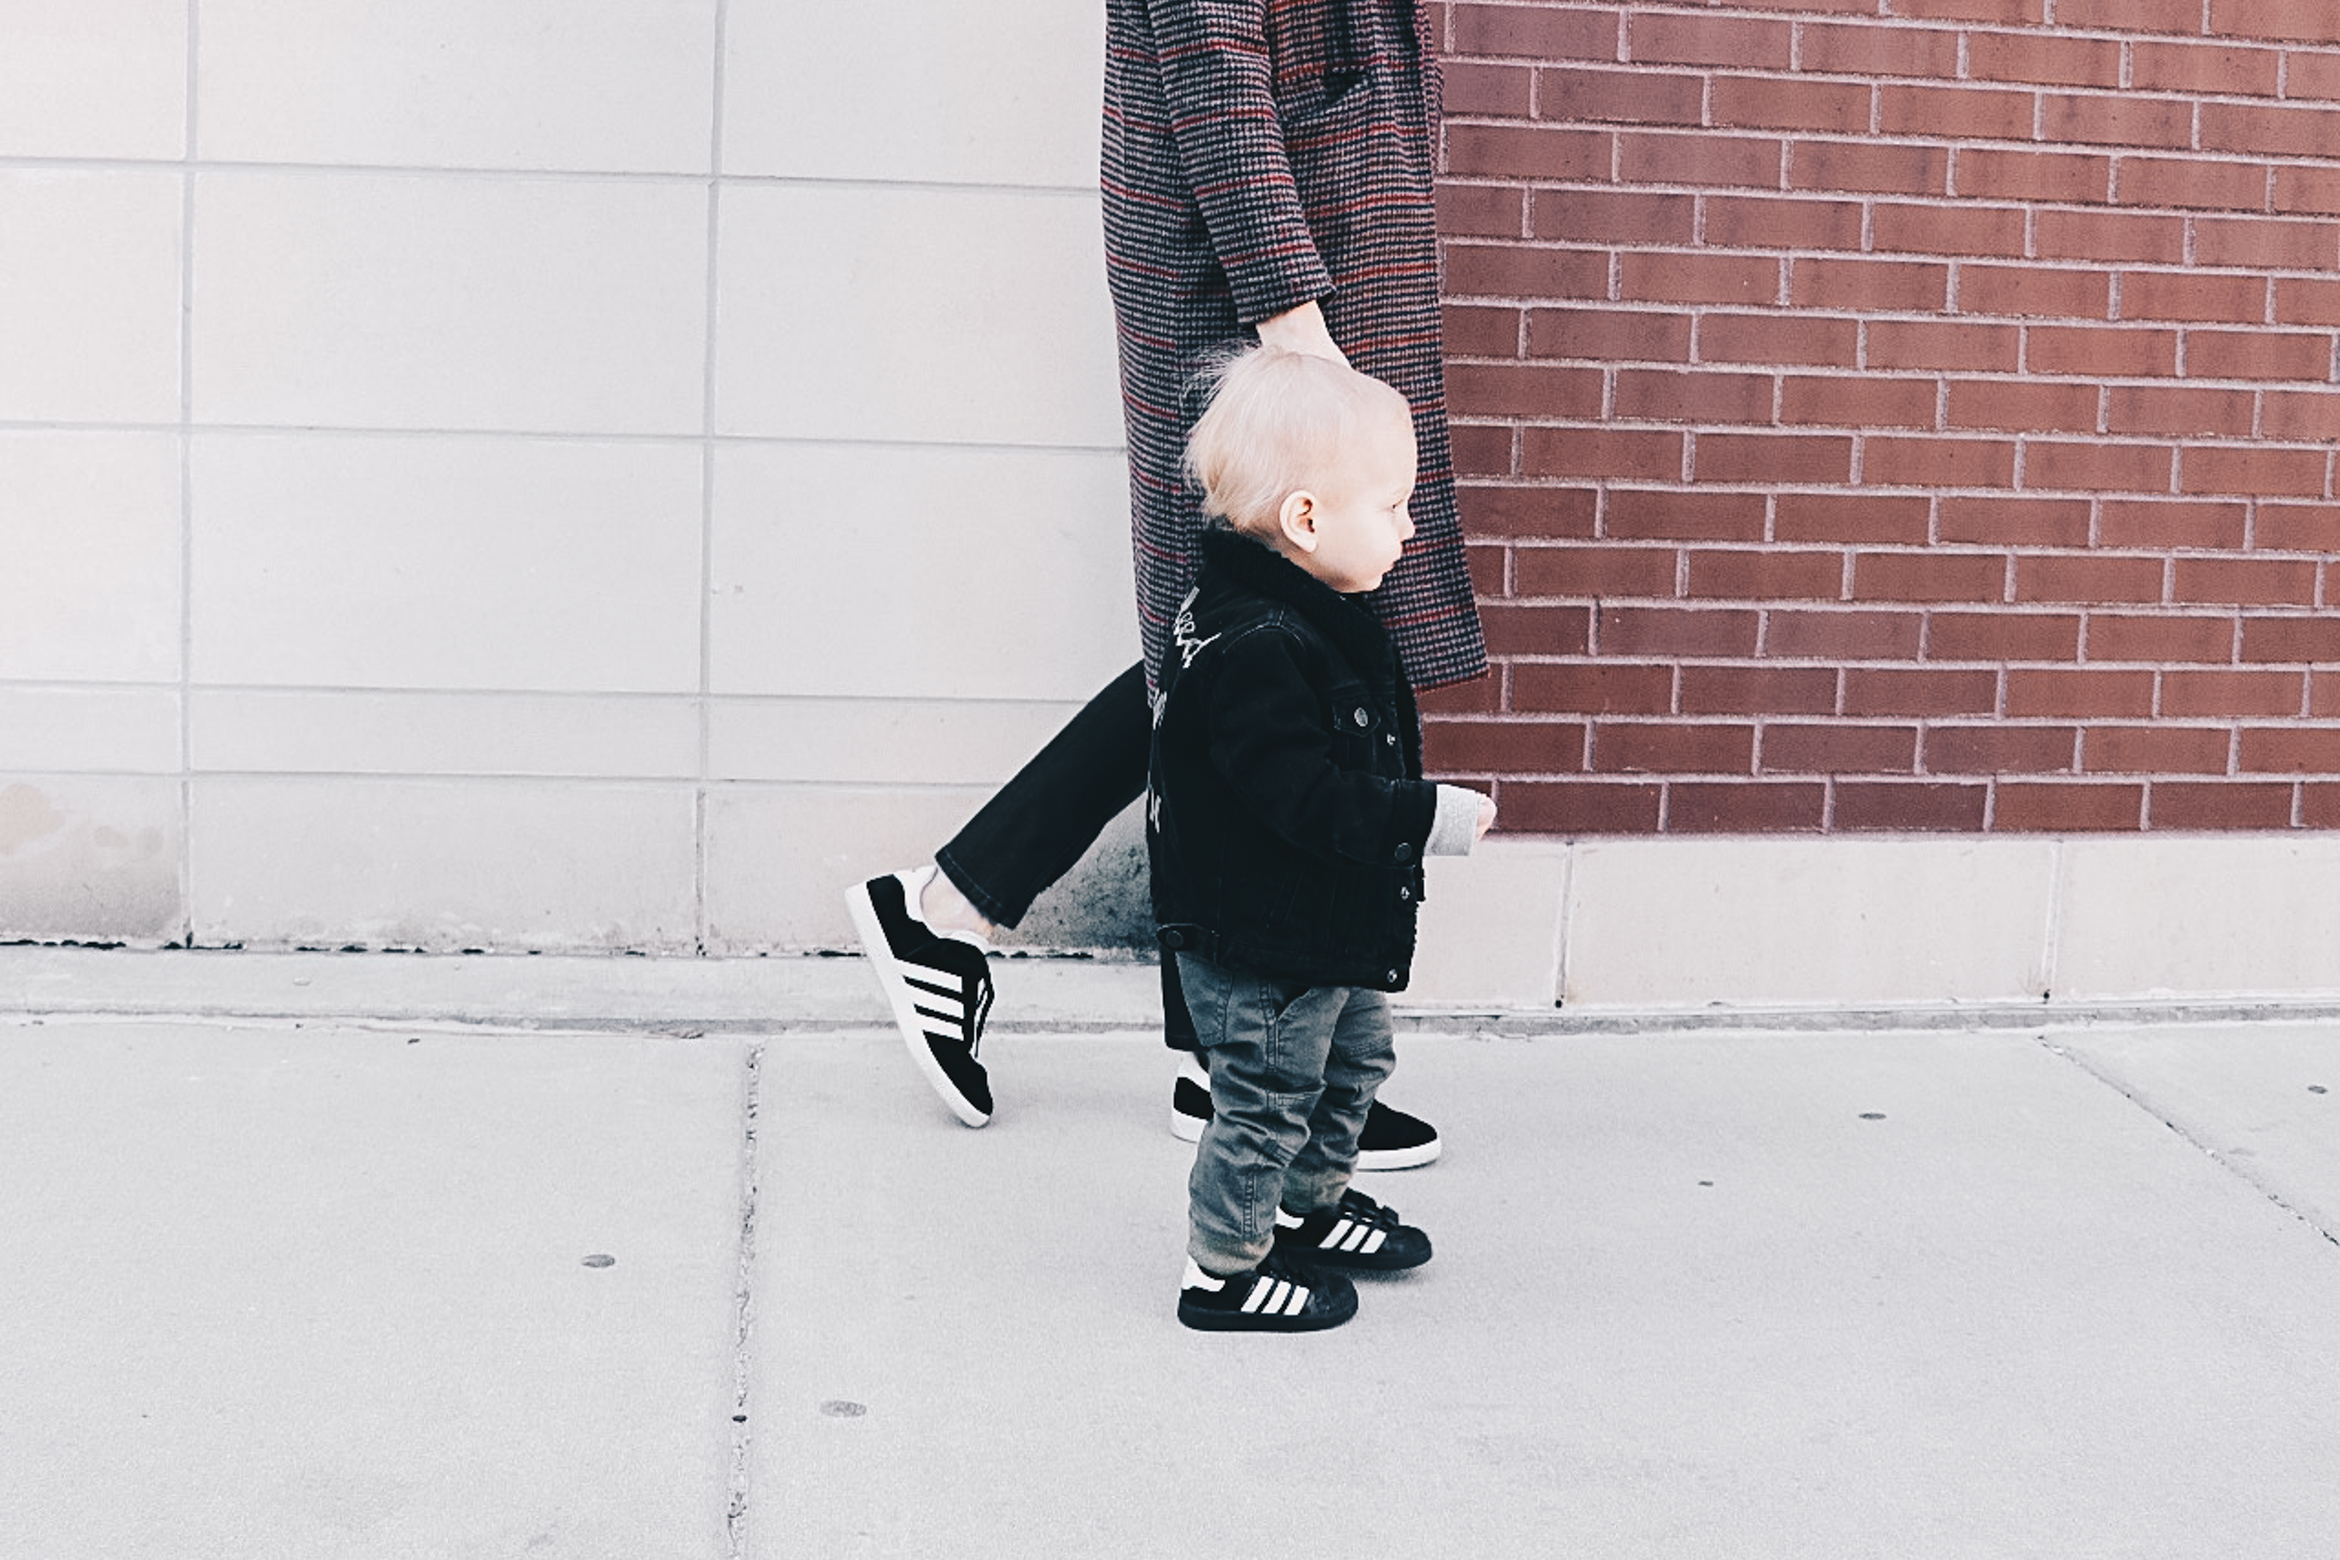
{"type": "Point", "coordinates": [1189, 1129]}
{"type": "Point", "coordinates": [907, 1021]}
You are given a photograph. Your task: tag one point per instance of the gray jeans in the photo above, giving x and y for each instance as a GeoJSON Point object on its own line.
{"type": "Point", "coordinates": [1294, 1069]}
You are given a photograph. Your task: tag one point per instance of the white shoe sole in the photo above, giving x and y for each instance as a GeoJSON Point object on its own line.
{"type": "Point", "coordinates": [1189, 1129]}
{"type": "Point", "coordinates": [1401, 1158]}
{"type": "Point", "coordinates": [907, 1021]}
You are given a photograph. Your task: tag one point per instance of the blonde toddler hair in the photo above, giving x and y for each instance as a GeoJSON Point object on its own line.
{"type": "Point", "coordinates": [1278, 421]}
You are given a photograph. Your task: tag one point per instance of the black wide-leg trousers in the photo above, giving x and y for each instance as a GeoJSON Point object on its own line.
{"type": "Point", "coordinates": [1032, 831]}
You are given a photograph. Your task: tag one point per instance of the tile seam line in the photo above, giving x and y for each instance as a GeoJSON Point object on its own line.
{"type": "Point", "coordinates": [574, 695]}
{"type": "Point", "coordinates": [185, 433]}
{"type": "Point", "coordinates": [691, 440]}
{"type": "Point", "coordinates": [648, 783]}
{"type": "Point", "coordinates": [668, 697]}
{"type": "Point", "coordinates": [2190, 1137]}
{"type": "Point", "coordinates": [709, 453]}
{"type": "Point", "coordinates": [681, 178]}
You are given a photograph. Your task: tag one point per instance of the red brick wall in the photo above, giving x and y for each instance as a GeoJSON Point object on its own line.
{"type": "Point", "coordinates": [1897, 414]}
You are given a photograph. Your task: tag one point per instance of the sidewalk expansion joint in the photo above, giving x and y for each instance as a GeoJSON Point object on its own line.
{"type": "Point", "coordinates": [735, 1521]}
{"type": "Point", "coordinates": [2195, 1141]}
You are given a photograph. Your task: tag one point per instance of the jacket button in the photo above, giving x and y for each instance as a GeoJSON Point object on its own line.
{"type": "Point", "coordinates": [1403, 853]}
{"type": "Point", "coordinates": [1405, 894]}
{"type": "Point", "coordinates": [1362, 719]}
{"type": "Point", "coordinates": [1173, 939]}
{"type": "Point", "coordinates": [1396, 977]}
{"type": "Point", "coordinates": [1389, 737]}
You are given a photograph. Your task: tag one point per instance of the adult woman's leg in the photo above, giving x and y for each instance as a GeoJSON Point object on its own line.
{"type": "Point", "coordinates": [933, 970]}
{"type": "Point", "coordinates": [1032, 831]}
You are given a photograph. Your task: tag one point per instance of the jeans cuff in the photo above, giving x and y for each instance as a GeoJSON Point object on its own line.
{"type": "Point", "coordinates": [995, 910]}
{"type": "Point", "coordinates": [1213, 1257]}
{"type": "Point", "coordinates": [1318, 1192]}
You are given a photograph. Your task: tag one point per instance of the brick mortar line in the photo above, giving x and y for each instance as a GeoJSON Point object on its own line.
{"type": "Point", "coordinates": [1946, 140]}
{"type": "Point", "coordinates": [1878, 85]}
{"type": "Point", "coordinates": [1881, 259]}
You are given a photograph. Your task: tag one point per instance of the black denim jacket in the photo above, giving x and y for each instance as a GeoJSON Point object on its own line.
{"type": "Point", "coordinates": [1287, 811]}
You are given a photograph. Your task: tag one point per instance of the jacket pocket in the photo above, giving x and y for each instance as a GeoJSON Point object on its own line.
{"type": "Point", "coordinates": [1359, 728]}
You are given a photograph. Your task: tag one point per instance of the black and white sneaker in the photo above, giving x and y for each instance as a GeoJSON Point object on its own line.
{"type": "Point", "coordinates": [1272, 1297]}
{"type": "Point", "coordinates": [1355, 1232]}
{"type": "Point", "coordinates": [1392, 1140]}
{"type": "Point", "coordinates": [938, 984]}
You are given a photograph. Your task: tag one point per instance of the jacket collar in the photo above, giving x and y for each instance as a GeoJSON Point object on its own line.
{"type": "Point", "coordinates": [1348, 621]}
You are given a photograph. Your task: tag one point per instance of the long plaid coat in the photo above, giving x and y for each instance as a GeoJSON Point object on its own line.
{"type": "Point", "coordinates": [1259, 154]}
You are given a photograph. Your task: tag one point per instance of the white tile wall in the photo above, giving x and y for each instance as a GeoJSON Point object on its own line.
{"type": "Point", "coordinates": [89, 856]}
{"type": "Point", "coordinates": [1490, 929]}
{"type": "Point", "coordinates": [446, 563]}
{"type": "Point", "coordinates": [88, 727]}
{"type": "Point", "coordinates": [779, 858]}
{"type": "Point", "coordinates": [90, 538]}
{"type": "Point", "coordinates": [89, 312]}
{"type": "Point", "coordinates": [93, 78]}
{"type": "Point", "coordinates": [443, 864]}
{"type": "Point", "coordinates": [971, 573]}
{"type": "Point", "coordinates": [2190, 916]}
{"type": "Point", "coordinates": [616, 85]}
{"type": "Point", "coordinates": [889, 741]}
{"type": "Point", "coordinates": [906, 315]}
{"type": "Point", "coordinates": [448, 302]}
{"type": "Point", "coordinates": [930, 90]}
{"type": "Point", "coordinates": [263, 731]}
{"type": "Point", "coordinates": [1664, 923]}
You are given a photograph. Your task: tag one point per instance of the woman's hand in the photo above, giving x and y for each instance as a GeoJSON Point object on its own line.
{"type": "Point", "coordinates": [1301, 330]}
{"type": "Point", "coordinates": [1486, 818]}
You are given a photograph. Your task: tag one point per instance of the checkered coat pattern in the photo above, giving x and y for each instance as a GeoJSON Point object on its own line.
{"type": "Point", "coordinates": [1259, 154]}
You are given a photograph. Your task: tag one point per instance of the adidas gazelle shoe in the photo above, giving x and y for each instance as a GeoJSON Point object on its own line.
{"type": "Point", "coordinates": [937, 983]}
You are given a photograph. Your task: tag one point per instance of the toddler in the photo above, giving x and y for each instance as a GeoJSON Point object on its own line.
{"type": "Point", "coordinates": [1287, 821]}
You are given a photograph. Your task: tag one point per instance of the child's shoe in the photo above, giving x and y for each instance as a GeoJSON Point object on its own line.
{"type": "Point", "coordinates": [1272, 1297]}
{"type": "Point", "coordinates": [1392, 1140]}
{"type": "Point", "coordinates": [1355, 1232]}
{"type": "Point", "coordinates": [937, 983]}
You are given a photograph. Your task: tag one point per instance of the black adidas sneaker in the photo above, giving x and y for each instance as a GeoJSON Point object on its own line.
{"type": "Point", "coordinates": [1356, 1233]}
{"type": "Point", "coordinates": [938, 984]}
{"type": "Point", "coordinates": [1392, 1140]}
{"type": "Point", "coordinates": [1272, 1297]}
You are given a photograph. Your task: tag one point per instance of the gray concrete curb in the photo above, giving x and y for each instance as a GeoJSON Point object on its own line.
{"type": "Point", "coordinates": [1039, 994]}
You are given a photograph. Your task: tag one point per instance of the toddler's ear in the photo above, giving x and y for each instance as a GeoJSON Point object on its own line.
{"type": "Point", "coordinates": [1296, 519]}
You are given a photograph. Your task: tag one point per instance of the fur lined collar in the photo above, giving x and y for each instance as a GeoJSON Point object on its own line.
{"type": "Point", "coordinates": [1348, 621]}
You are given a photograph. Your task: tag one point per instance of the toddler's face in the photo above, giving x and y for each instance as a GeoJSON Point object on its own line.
{"type": "Point", "coordinates": [1360, 514]}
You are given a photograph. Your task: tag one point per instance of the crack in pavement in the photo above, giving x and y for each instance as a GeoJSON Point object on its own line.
{"type": "Point", "coordinates": [735, 1521]}
{"type": "Point", "coordinates": [2193, 1139]}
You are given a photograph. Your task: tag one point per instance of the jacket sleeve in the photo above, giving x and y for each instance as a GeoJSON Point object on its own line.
{"type": "Point", "coordinates": [1268, 741]}
{"type": "Point", "coordinates": [1218, 81]}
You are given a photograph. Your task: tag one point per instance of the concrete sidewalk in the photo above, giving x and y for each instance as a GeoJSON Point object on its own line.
{"type": "Point", "coordinates": [284, 1276]}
